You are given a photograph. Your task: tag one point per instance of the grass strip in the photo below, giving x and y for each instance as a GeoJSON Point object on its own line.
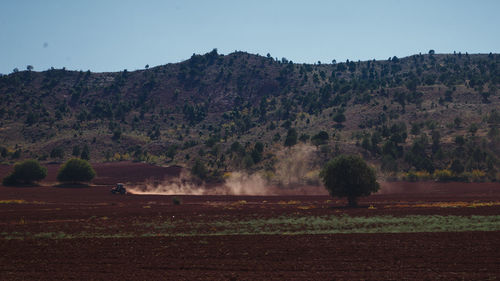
{"type": "Point", "coordinates": [284, 225]}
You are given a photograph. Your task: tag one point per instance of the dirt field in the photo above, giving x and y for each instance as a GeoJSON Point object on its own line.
{"type": "Point", "coordinates": [419, 231]}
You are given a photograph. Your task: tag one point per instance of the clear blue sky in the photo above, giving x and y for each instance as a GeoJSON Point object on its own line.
{"type": "Point", "coordinates": [112, 35]}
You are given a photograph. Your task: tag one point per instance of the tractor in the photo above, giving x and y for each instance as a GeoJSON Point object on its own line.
{"type": "Point", "coordinates": [119, 189]}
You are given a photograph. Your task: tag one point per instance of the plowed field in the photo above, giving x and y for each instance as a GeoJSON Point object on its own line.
{"type": "Point", "coordinates": [418, 231]}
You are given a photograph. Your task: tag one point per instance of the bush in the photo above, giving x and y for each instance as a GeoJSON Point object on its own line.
{"type": "Point", "coordinates": [320, 138]}
{"type": "Point", "coordinates": [417, 176]}
{"type": "Point", "coordinates": [291, 137]}
{"type": "Point", "coordinates": [475, 176]}
{"type": "Point", "coordinates": [176, 201]}
{"type": "Point", "coordinates": [349, 176]}
{"type": "Point", "coordinates": [76, 170]}
{"type": "Point", "coordinates": [26, 172]}
{"type": "Point", "coordinates": [443, 175]}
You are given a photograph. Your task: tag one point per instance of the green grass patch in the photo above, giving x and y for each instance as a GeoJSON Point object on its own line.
{"type": "Point", "coordinates": [372, 224]}
{"type": "Point", "coordinates": [283, 225]}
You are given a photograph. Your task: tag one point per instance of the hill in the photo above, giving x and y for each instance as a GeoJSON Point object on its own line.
{"type": "Point", "coordinates": [241, 111]}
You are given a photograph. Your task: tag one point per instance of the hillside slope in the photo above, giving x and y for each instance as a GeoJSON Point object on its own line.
{"type": "Point", "coordinates": [244, 111]}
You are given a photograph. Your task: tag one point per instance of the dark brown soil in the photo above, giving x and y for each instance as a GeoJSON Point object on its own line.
{"type": "Point", "coordinates": [384, 256]}
{"type": "Point", "coordinates": [420, 256]}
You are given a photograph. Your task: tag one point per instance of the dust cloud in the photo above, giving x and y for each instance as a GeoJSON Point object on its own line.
{"type": "Point", "coordinates": [294, 174]}
{"type": "Point", "coordinates": [296, 166]}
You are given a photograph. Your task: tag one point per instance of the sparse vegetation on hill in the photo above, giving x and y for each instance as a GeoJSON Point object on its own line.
{"type": "Point", "coordinates": [403, 114]}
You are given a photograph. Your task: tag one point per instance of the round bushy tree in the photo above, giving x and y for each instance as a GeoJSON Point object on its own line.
{"type": "Point", "coordinates": [28, 171]}
{"type": "Point", "coordinates": [349, 176]}
{"type": "Point", "coordinates": [76, 170]}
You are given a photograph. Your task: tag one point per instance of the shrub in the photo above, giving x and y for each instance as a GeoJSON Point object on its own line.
{"type": "Point", "coordinates": [417, 176]}
{"type": "Point", "coordinates": [76, 170]}
{"type": "Point", "coordinates": [443, 175]}
{"type": "Point", "coordinates": [410, 176]}
{"type": "Point", "coordinates": [349, 176]}
{"type": "Point", "coordinates": [27, 171]}
{"type": "Point", "coordinates": [291, 137]}
{"type": "Point", "coordinates": [176, 201]}
{"type": "Point", "coordinates": [320, 138]}
{"type": "Point", "coordinates": [475, 176]}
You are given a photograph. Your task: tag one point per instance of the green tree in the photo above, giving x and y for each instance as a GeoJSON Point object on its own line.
{"type": "Point", "coordinates": [320, 138]}
{"type": "Point", "coordinates": [85, 153]}
{"type": "Point", "coordinates": [389, 164]}
{"type": "Point", "coordinates": [256, 152]}
{"type": "Point", "coordinates": [417, 156]}
{"type": "Point", "coordinates": [237, 148]}
{"type": "Point", "coordinates": [457, 167]}
{"type": "Point", "coordinates": [349, 176]}
{"type": "Point", "coordinates": [199, 170]}
{"type": "Point", "coordinates": [16, 154]}
{"type": "Point", "coordinates": [117, 134]}
{"type": "Point", "coordinates": [436, 139]}
{"type": "Point", "coordinates": [339, 118]}
{"type": "Point", "coordinates": [26, 172]}
{"type": "Point", "coordinates": [304, 138]}
{"type": "Point", "coordinates": [458, 122]}
{"type": "Point", "coordinates": [3, 151]}
{"type": "Point", "coordinates": [473, 128]}
{"type": "Point", "coordinates": [171, 151]}
{"type": "Point", "coordinates": [57, 152]}
{"type": "Point", "coordinates": [291, 137]}
{"type": "Point", "coordinates": [76, 151]}
{"type": "Point", "coordinates": [460, 140]}
{"type": "Point", "coordinates": [76, 170]}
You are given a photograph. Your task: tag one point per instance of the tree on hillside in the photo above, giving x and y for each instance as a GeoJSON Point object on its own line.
{"type": "Point", "coordinates": [76, 151]}
{"type": "Point", "coordinates": [339, 118]}
{"type": "Point", "coordinates": [291, 137]}
{"type": "Point", "coordinates": [417, 156]}
{"type": "Point", "coordinates": [349, 176]}
{"type": "Point", "coordinates": [76, 170]}
{"type": "Point", "coordinates": [320, 138]}
{"type": "Point", "coordinates": [85, 153]}
{"type": "Point", "coordinates": [256, 152]}
{"type": "Point", "coordinates": [57, 152]}
{"type": "Point", "coordinates": [457, 167]}
{"type": "Point", "coordinates": [199, 170]}
{"type": "Point", "coordinates": [26, 172]}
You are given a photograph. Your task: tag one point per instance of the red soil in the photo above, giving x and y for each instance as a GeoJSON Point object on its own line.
{"type": "Point", "coordinates": [419, 256]}
{"type": "Point", "coordinates": [396, 256]}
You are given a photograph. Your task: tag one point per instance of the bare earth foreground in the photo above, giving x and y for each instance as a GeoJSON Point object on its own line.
{"type": "Point", "coordinates": [421, 231]}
